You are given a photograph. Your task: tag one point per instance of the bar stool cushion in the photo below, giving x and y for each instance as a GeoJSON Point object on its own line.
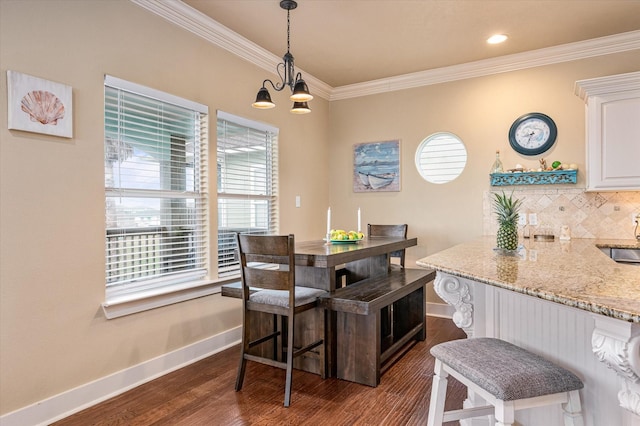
{"type": "Point", "coordinates": [303, 296]}
{"type": "Point", "coordinates": [506, 371]}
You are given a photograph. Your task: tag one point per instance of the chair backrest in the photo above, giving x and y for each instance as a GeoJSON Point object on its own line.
{"type": "Point", "coordinates": [267, 261]}
{"type": "Point", "coordinates": [389, 231]}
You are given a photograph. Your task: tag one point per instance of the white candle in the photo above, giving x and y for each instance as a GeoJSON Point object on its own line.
{"type": "Point", "coordinates": [329, 221]}
{"type": "Point", "coordinates": [359, 227]}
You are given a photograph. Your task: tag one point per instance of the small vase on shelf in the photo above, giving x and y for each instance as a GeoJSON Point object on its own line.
{"type": "Point", "coordinates": [497, 165]}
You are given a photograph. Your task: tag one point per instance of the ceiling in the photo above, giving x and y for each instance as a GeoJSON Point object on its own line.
{"type": "Point", "coordinates": [343, 42]}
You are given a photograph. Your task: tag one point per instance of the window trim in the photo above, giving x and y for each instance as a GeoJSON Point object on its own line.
{"type": "Point", "coordinates": [126, 302]}
{"type": "Point", "coordinates": [159, 297]}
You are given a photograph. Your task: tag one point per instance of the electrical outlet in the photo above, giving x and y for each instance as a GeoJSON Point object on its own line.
{"type": "Point", "coordinates": [297, 201]}
{"type": "Point", "coordinates": [522, 219]}
{"type": "Point", "coordinates": [533, 219]}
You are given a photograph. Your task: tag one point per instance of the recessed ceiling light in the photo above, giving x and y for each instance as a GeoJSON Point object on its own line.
{"type": "Point", "coordinates": [497, 38]}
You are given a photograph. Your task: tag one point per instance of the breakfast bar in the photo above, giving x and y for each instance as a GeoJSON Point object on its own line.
{"type": "Point", "coordinates": [565, 300]}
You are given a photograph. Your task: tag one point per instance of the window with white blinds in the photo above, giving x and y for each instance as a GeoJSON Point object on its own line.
{"type": "Point", "coordinates": [155, 168]}
{"type": "Point", "coordinates": [247, 185]}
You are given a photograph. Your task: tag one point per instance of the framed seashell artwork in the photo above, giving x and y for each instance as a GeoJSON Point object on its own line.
{"type": "Point", "coordinates": [39, 106]}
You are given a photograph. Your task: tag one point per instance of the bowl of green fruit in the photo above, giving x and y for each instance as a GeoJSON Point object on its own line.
{"type": "Point", "coordinates": [341, 236]}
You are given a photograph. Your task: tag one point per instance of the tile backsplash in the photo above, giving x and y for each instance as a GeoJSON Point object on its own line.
{"type": "Point", "coordinates": [587, 214]}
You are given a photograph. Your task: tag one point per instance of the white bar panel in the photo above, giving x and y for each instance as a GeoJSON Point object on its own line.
{"type": "Point", "coordinates": [562, 335]}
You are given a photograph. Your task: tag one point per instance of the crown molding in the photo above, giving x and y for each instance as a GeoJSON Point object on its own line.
{"type": "Point", "coordinates": [535, 58]}
{"type": "Point", "coordinates": [186, 17]}
{"type": "Point", "coordinates": [609, 84]}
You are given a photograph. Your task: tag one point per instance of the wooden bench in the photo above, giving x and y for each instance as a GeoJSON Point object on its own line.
{"type": "Point", "coordinates": [363, 352]}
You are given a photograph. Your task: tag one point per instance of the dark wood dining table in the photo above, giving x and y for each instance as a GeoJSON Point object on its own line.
{"type": "Point", "coordinates": [316, 261]}
{"type": "Point", "coordinates": [363, 262]}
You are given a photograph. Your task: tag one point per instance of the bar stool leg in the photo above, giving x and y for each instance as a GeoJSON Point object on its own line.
{"type": "Point", "coordinates": [505, 413]}
{"type": "Point", "coordinates": [573, 410]}
{"type": "Point", "coordinates": [438, 395]}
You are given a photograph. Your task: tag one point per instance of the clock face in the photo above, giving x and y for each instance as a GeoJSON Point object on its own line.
{"type": "Point", "coordinates": [532, 134]}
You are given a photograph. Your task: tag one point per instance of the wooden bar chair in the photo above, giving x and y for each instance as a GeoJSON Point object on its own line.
{"type": "Point", "coordinates": [342, 274]}
{"type": "Point", "coordinates": [389, 231]}
{"type": "Point", "coordinates": [507, 377]}
{"type": "Point", "coordinates": [267, 263]}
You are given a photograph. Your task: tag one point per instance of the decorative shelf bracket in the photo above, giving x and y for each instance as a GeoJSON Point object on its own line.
{"type": "Point", "coordinates": [534, 178]}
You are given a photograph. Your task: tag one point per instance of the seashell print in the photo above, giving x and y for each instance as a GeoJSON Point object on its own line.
{"type": "Point", "coordinates": [43, 106]}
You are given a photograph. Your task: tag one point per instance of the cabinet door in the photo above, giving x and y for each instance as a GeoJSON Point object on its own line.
{"type": "Point", "coordinates": [613, 141]}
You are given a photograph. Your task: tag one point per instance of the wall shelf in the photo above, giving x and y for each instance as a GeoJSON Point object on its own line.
{"type": "Point", "coordinates": [534, 178]}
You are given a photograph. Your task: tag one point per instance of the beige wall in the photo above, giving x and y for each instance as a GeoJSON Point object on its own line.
{"type": "Point", "coordinates": [53, 334]}
{"type": "Point", "coordinates": [480, 111]}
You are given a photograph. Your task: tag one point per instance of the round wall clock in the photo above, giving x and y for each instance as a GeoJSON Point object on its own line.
{"type": "Point", "coordinates": [533, 133]}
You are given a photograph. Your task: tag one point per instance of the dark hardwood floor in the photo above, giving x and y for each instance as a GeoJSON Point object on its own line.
{"type": "Point", "coordinates": [203, 394]}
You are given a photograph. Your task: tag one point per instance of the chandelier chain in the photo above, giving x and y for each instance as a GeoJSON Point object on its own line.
{"type": "Point", "coordinates": [288, 29]}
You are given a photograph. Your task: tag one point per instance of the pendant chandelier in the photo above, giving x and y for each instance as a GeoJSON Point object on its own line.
{"type": "Point", "coordinates": [299, 91]}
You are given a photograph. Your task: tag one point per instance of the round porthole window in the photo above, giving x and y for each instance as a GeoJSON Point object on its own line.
{"type": "Point", "coordinates": [441, 157]}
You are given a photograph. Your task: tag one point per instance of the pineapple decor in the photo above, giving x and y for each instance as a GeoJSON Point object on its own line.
{"type": "Point", "coordinates": [507, 211]}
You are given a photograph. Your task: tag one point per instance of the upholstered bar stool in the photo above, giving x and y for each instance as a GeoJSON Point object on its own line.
{"type": "Point", "coordinates": [506, 376]}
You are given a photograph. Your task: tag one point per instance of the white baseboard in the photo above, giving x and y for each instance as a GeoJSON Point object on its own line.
{"type": "Point", "coordinates": [441, 310]}
{"type": "Point", "coordinates": [74, 400]}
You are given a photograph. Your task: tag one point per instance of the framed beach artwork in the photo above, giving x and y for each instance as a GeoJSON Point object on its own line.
{"type": "Point", "coordinates": [376, 167]}
{"type": "Point", "coordinates": [39, 106]}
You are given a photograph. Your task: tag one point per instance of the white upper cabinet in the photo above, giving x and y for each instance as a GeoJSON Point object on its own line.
{"type": "Point", "coordinates": [613, 131]}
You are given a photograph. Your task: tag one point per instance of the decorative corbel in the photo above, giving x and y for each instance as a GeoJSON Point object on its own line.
{"type": "Point", "coordinates": [617, 345]}
{"type": "Point", "coordinates": [455, 291]}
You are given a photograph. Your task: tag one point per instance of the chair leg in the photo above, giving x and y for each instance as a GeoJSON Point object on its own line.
{"type": "Point", "coordinates": [438, 395]}
{"type": "Point", "coordinates": [244, 347]}
{"type": "Point", "coordinates": [241, 369]}
{"type": "Point", "coordinates": [277, 337]}
{"type": "Point", "coordinates": [287, 390]}
{"type": "Point", "coordinates": [573, 410]}
{"type": "Point", "coordinates": [322, 351]}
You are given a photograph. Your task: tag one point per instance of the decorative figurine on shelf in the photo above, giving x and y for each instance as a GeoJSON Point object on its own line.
{"type": "Point", "coordinates": [543, 164]}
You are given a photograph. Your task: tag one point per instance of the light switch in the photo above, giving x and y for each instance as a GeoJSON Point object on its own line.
{"type": "Point", "coordinates": [533, 219]}
{"type": "Point", "coordinates": [297, 201]}
{"type": "Point", "coordinates": [522, 219]}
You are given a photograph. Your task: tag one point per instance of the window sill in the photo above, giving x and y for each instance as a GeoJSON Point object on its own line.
{"type": "Point", "coordinates": [123, 305]}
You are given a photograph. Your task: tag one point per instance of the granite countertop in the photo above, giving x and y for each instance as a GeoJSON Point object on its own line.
{"type": "Point", "coordinates": [575, 273]}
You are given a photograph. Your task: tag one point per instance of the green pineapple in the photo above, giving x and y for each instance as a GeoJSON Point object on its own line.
{"type": "Point", "coordinates": [507, 210]}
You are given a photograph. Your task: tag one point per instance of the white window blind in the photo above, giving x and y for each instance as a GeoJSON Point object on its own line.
{"type": "Point", "coordinates": [247, 185]}
{"type": "Point", "coordinates": [155, 169]}
{"type": "Point", "coordinates": [441, 158]}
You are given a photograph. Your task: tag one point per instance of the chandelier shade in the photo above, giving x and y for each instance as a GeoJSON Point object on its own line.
{"type": "Point", "coordinates": [263, 100]}
{"type": "Point", "coordinates": [300, 108]}
{"type": "Point", "coordinates": [288, 77]}
{"type": "Point", "coordinates": [301, 92]}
